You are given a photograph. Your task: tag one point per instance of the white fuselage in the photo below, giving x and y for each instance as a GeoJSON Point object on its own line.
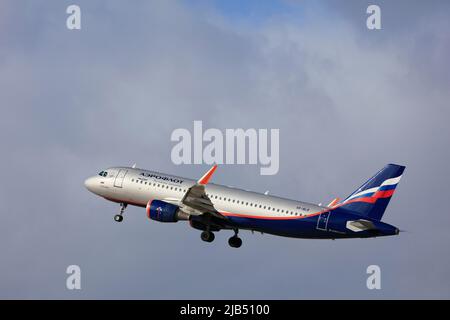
{"type": "Point", "coordinates": [138, 187]}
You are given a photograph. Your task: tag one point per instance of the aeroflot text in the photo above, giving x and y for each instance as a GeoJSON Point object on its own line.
{"type": "Point", "coordinates": [253, 142]}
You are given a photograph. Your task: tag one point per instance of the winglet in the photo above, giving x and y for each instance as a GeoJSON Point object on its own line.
{"type": "Point", "coordinates": [205, 179]}
{"type": "Point", "coordinates": [333, 203]}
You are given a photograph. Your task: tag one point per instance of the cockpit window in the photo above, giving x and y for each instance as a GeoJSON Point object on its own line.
{"type": "Point", "coordinates": [103, 173]}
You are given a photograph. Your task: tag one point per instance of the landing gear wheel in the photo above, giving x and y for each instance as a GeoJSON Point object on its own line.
{"type": "Point", "coordinates": [235, 242]}
{"type": "Point", "coordinates": [207, 236]}
{"type": "Point", "coordinates": [119, 217]}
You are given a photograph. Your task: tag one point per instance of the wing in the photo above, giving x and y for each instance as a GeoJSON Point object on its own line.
{"type": "Point", "coordinates": [334, 202]}
{"type": "Point", "coordinates": [196, 202]}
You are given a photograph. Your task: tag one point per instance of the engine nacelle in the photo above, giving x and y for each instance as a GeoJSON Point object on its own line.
{"type": "Point", "coordinates": [165, 212]}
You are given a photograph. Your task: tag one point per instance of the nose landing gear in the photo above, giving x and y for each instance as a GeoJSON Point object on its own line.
{"type": "Point", "coordinates": [119, 217]}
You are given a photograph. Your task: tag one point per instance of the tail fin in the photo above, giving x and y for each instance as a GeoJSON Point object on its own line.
{"type": "Point", "coordinates": [372, 198]}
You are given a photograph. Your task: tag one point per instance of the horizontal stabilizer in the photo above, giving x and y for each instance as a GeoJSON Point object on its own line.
{"type": "Point", "coordinates": [360, 225]}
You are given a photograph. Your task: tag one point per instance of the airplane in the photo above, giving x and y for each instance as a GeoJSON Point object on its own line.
{"type": "Point", "coordinates": [211, 207]}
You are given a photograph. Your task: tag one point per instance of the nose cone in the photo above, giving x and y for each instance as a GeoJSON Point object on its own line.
{"type": "Point", "coordinates": [90, 184]}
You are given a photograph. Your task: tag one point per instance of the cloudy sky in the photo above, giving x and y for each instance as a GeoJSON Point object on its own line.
{"type": "Point", "coordinates": [347, 100]}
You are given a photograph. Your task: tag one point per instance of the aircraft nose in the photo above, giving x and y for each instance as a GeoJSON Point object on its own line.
{"type": "Point", "coordinates": [90, 183]}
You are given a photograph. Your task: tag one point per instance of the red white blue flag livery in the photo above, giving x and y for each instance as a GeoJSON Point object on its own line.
{"type": "Point", "coordinates": [372, 198]}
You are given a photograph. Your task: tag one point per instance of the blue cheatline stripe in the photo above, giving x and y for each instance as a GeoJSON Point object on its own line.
{"type": "Point", "coordinates": [389, 187]}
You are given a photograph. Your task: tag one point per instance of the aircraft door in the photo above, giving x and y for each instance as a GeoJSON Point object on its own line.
{"type": "Point", "coordinates": [118, 181]}
{"type": "Point", "coordinates": [322, 221]}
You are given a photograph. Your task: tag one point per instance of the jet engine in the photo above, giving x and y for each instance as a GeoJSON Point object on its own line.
{"type": "Point", "coordinates": [165, 212]}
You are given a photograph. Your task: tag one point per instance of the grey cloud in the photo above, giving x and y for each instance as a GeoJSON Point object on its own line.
{"type": "Point", "coordinates": [346, 102]}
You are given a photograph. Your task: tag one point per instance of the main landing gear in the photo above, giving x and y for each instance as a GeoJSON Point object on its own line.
{"type": "Point", "coordinates": [119, 217]}
{"type": "Point", "coordinates": [207, 236]}
{"type": "Point", "coordinates": [234, 241]}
